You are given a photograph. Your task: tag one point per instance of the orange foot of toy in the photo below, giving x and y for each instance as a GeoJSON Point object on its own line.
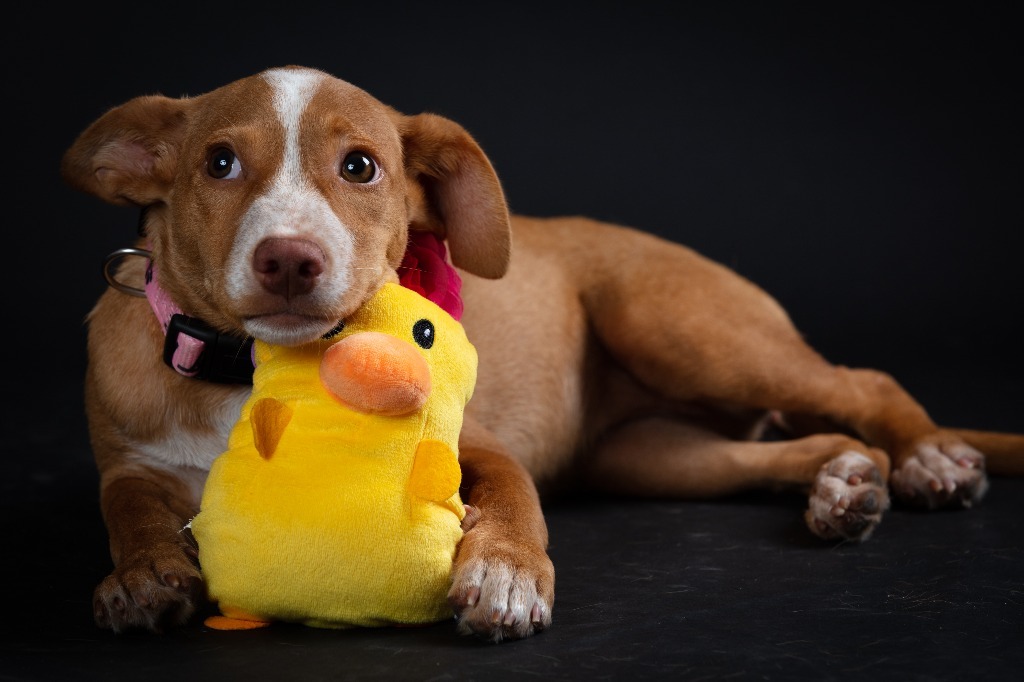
{"type": "Point", "coordinates": [226, 623]}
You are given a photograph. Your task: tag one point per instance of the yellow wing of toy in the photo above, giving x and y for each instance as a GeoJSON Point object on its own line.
{"type": "Point", "coordinates": [436, 474]}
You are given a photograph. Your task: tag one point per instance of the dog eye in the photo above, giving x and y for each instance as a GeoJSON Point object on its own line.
{"type": "Point", "coordinates": [358, 167]}
{"type": "Point", "coordinates": [335, 330]}
{"type": "Point", "coordinates": [423, 333]}
{"type": "Point", "coordinates": [223, 164]}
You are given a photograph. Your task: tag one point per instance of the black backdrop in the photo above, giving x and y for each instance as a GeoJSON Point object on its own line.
{"type": "Point", "coordinates": [860, 161]}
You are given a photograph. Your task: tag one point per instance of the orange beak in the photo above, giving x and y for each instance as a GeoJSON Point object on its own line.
{"type": "Point", "coordinates": [377, 374]}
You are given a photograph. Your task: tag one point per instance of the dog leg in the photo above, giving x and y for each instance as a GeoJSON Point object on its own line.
{"type": "Point", "coordinates": [503, 584]}
{"type": "Point", "coordinates": [156, 582]}
{"type": "Point", "coordinates": [695, 331]}
{"type": "Point", "coordinates": [668, 458]}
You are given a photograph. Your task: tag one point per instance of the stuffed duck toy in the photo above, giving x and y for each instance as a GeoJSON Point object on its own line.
{"type": "Point", "coordinates": [336, 503]}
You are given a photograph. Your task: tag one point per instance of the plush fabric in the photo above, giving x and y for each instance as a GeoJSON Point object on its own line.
{"type": "Point", "coordinates": [336, 503]}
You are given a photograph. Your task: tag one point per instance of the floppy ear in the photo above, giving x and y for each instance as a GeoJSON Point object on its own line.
{"type": "Point", "coordinates": [455, 193]}
{"type": "Point", "coordinates": [129, 154]}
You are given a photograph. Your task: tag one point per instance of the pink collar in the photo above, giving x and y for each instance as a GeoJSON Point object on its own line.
{"type": "Point", "coordinates": [191, 347]}
{"type": "Point", "coordinates": [195, 349]}
{"type": "Point", "coordinates": [187, 348]}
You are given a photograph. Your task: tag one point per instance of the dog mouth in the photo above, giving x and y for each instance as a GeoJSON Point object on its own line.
{"type": "Point", "coordinates": [288, 328]}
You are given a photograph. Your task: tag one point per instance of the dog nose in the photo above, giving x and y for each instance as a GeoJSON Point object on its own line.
{"type": "Point", "coordinates": [288, 267]}
{"type": "Point", "coordinates": [376, 373]}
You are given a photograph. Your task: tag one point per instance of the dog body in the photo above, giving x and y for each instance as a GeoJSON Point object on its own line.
{"type": "Point", "coordinates": [276, 205]}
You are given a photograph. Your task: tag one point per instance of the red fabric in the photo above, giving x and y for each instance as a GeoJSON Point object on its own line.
{"type": "Point", "coordinates": [425, 270]}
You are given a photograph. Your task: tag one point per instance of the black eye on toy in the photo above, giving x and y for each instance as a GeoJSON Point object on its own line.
{"type": "Point", "coordinates": [335, 330]}
{"type": "Point", "coordinates": [423, 333]}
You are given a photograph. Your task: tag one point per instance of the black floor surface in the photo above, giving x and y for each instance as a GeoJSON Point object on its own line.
{"type": "Point", "coordinates": [646, 589]}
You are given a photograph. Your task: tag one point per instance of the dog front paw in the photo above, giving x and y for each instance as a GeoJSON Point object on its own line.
{"type": "Point", "coordinates": [501, 590]}
{"type": "Point", "coordinates": [847, 499]}
{"type": "Point", "coordinates": [941, 471]}
{"type": "Point", "coordinates": [152, 590]}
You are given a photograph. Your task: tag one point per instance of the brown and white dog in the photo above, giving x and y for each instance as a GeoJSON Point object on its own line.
{"type": "Point", "coordinates": [275, 205]}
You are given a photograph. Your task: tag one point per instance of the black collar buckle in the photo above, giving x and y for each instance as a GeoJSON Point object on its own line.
{"type": "Point", "coordinates": [226, 359]}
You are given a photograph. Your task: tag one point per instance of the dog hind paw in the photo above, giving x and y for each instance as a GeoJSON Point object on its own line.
{"type": "Point", "coordinates": [847, 499]}
{"type": "Point", "coordinates": [942, 471]}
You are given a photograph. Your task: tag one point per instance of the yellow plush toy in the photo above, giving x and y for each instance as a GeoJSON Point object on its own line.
{"type": "Point", "coordinates": [336, 503]}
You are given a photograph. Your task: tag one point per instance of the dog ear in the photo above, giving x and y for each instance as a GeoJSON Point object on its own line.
{"type": "Point", "coordinates": [128, 155]}
{"type": "Point", "coordinates": [455, 193]}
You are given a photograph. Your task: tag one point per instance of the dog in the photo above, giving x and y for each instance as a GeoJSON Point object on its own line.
{"type": "Point", "coordinates": [274, 206]}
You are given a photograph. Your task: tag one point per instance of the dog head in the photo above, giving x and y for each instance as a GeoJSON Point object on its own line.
{"type": "Point", "coordinates": [277, 204]}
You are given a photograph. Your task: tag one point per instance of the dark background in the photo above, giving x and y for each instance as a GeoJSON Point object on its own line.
{"type": "Point", "coordinates": [860, 161]}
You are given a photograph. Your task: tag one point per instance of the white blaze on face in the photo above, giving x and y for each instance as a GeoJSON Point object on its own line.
{"type": "Point", "coordinates": [291, 207]}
